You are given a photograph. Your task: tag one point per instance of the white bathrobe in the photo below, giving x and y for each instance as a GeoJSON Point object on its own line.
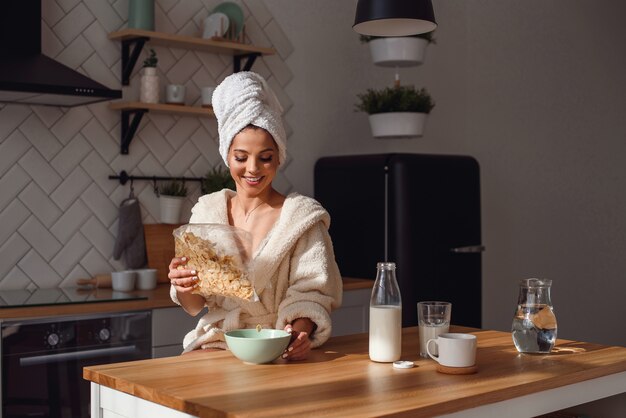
{"type": "Point", "coordinates": [295, 274]}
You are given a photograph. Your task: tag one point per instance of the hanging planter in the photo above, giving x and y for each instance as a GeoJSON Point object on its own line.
{"type": "Point", "coordinates": [405, 51]}
{"type": "Point", "coordinates": [397, 124]}
{"type": "Point", "coordinates": [396, 112]}
{"type": "Point", "coordinates": [398, 52]}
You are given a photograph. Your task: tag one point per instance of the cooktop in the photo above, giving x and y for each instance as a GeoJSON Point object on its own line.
{"type": "Point", "coordinates": [61, 296]}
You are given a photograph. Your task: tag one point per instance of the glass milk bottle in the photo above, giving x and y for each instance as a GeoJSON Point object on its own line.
{"type": "Point", "coordinates": [385, 343]}
{"type": "Point", "coordinates": [534, 323]}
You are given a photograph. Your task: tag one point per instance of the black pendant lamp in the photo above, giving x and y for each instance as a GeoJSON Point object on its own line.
{"type": "Point", "coordinates": [394, 17]}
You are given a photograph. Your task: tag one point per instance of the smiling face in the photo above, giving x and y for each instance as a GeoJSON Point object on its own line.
{"type": "Point", "coordinates": [253, 161]}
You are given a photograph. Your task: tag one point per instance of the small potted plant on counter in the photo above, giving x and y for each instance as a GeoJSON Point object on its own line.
{"type": "Point", "coordinates": [216, 179]}
{"type": "Point", "coordinates": [396, 112]}
{"type": "Point", "coordinates": [404, 51]}
{"type": "Point", "coordinates": [149, 83]}
{"type": "Point", "coordinates": [171, 197]}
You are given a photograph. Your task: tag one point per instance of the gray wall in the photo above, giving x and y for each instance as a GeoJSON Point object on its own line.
{"type": "Point", "coordinates": [535, 92]}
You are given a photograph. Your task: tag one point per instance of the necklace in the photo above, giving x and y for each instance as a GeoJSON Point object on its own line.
{"type": "Point", "coordinates": [247, 215]}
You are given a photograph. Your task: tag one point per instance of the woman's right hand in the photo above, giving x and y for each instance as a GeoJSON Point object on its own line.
{"type": "Point", "coordinates": [183, 279]}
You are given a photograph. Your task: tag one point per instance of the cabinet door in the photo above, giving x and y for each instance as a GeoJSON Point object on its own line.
{"type": "Point", "coordinates": [169, 327]}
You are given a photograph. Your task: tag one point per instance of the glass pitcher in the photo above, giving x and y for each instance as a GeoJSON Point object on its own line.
{"type": "Point", "coordinates": [534, 323]}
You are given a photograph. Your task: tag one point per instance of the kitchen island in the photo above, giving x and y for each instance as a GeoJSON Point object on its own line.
{"type": "Point", "coordinates": [340, 380]}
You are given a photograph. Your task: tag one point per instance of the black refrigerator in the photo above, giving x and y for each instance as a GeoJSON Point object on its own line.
{"type": "Point", "coordinates": [417, 210]}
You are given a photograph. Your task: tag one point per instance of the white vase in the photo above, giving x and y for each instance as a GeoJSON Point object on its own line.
{"type": "Point", "coordinates": [149, 86]}
{"type": "Point", "coordinates": [398, 52]}
{"type": "Point", "coordinates": [170, 209]}
{"type": "Point", "coordinates": [397, 124]}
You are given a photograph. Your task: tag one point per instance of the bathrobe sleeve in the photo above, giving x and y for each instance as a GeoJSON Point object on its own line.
{"type": "Point", "coordinates": [315, 286]}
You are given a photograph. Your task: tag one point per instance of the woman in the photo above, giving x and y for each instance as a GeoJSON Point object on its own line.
{"type": "Point", "coordinates": [295, 273]}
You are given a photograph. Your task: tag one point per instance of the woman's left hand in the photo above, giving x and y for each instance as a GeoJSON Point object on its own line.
{"type": "Point", "coordinates": [300, 345]}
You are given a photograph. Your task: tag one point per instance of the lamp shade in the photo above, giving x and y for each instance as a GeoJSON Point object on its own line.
{"type": "Point", "coordinates": [394, 17]}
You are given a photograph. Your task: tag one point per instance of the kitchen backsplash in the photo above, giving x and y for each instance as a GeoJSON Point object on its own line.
{"type": "Point", "coordinates": [58, 209]}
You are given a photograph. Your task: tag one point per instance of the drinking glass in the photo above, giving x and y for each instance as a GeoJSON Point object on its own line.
{"type": "Point", "coordinates": [433, 318]}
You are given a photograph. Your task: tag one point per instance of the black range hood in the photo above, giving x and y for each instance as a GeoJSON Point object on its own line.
{"type": "Point", "coordinates": [29, 77]}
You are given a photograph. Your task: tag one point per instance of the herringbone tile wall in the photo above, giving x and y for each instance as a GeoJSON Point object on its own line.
{"type": "Point", "coordinates": [58, 209]}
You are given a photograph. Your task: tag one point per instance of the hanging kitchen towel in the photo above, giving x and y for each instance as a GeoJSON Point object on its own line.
{"type": "Point", "coordinates": [130, 237]}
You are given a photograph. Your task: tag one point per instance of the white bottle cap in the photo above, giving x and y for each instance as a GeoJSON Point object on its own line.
{"type": "Point", "coordinates": [403, 364]}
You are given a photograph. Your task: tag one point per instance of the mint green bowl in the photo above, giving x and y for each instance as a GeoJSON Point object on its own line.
{"type": "Point", "coordinates": [252, 346]}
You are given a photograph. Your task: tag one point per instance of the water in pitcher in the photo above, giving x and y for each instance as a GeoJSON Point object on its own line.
{"type": "Point", "coordinates": [534, 329]}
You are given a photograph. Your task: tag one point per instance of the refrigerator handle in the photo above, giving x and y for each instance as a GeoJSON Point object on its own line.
{"type": "Point", "coordinates": [469, 249]}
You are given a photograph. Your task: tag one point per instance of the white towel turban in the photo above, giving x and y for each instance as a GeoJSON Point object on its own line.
{"type": "Point", "coordinates": [243, 99]}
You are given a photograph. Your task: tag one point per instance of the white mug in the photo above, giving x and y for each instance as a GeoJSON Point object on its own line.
{"type": "Point", "coordinates": [146, 279]}
{"type": "Point", "coordinates": [175, 93]}
{"type": "Point", "coordinates": [207, 96]}
{"type": "Point", "coordinates": [123, 281]}
{"type": "Point", "coordinates": [455, 349]}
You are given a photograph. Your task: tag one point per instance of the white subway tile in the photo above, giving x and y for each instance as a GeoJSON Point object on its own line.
{"type": "Point", "coordinates": [108, 118]}
{"type": "Point", "coordinates": [40, 204]}
{"type": "Point", "coordinates": [182, 159]}
{"type": "Point", "coordinates": [48, 114]}
{"type": "Point", "coordinates": [259, 11]}
{"type": "Point", "coordinates": [73, 23]}
{"type": "Point", "coordinates": [99, 171]}
{"type": "Point", "coordinates": [12, 116]}
{"type": "Point", "coordinates": [256, 34]}
{"type": "Point", "coordinates": [77, 272]}
{"type": "Point", "coordinates": [95, 263]}
{"type": "Point", "coordinates": [100, 236]}
{"type": "Point", "coordinates": [100, 204]}
{"type": "Point", "coordinates": [70, 255]}
{"type": "Point", "coordinates": [162, 23]}
{"type": "Point", "coordinates": [105, 14]}
{"type": "Point", "coordinates": [38, 270]}
{"type": "Point", "coordinates": [12, 183]}
{"type": "Point", "coordinates": [156, 143]}
{"type": "Point", "coordinates": [183, 11]}
{"type": "Point", "coordinates": [12, 149]}
{"type": "Point", "coordinates": [71, 123]}
{"type": "Point", "coordinates": [71, 188]}
{"type": "Point", "coordinates": [71, 155]}
{"type": "Point", "coordinates": [279, 40]}
{"type": "Point", "coordinates": [11, 217]}
{"type": "Point", "coordinates": [51, 13]}
{"type": "Point", "coordinates": [39, 238]}
{"type": "Point", "coordinates": [280, 70]}
{"type": "Point", "coordinates": [40, 171]}
{"type": "Point", "coordinates": [51, 45]}
{"type": "Point", "coordinates": [68, 5]}
{"type": "Point", "coordinates": [14, 279]}
{"type": "Point", "coordinates": [184, 68]}
{"type": "Point", "coordinates": [41, 138]}
{"type": "Point", "coordinates": [181, 131]}
{"type": "Point", "coordinates": [11, 252]}
{"type": "Point", "coordinates": [75, 53]}
{"type": "Point", "coordinates": [100, 72]}
{"type": "Point", "coordinates": [213, 64]}
{"type": "Point", "coordinates": [70, 222]}
{"type": "Point", "coordinates": [108, 50]}
{"type": "Point", "coordinates": [107, 146]}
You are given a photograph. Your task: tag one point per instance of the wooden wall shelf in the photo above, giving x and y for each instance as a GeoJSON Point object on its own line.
{"type": "Point", "coordinates": [138, 109]}
{"type": "Point", "coordinates": [133, 41]}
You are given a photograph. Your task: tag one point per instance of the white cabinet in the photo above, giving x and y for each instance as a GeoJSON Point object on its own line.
{"type": "Point", "coordinates": [354, 315]}
{"type": "Point", "coordinates": [169, 326]}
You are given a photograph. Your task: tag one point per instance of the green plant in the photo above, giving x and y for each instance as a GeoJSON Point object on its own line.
{"type": "Point", "coordinates": [173, 188]}
{"type": "Point", "coordinates": [395, 99]}
{"type": "Point", "coordinates": [216, 179]}
{"type": "Point", "coordinates": [428, 36]}
{"type": "Point", "coordinates": [152, 59]}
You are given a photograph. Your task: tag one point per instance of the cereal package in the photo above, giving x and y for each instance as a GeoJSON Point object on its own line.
{"type": "Point", "coordinates": [220, 254]}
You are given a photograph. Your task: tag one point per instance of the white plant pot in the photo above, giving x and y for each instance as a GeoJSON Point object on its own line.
{"type": "Point", "coordinates": [149, 86]}
{"type": "Point", "coordinates": [398, 52]}
{"type": "Point", "coordinates": [170, 209]}
{"type": "Point", "coordinates": [397, 124]}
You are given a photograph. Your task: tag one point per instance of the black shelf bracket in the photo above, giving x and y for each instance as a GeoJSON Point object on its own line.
{"type": "Point", "coordinates": [249, 61]}
{"type": "Point", "coordinates": [129, 127]}
{"type": "Point", "coordinates": [129, 58]}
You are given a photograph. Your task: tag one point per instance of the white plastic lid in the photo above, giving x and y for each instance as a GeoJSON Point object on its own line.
{"type": "Point", "coordinates": [403, 364]}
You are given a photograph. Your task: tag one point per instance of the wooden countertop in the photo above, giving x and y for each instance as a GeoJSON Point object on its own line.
{"type": "Point", "coordinates": [340, 380]}
{"type": "Point", "coordinates": [157, 298]}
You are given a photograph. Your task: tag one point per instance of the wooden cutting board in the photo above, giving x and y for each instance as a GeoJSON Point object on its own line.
{"type": "Point", "coordinates": [160, 247]}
